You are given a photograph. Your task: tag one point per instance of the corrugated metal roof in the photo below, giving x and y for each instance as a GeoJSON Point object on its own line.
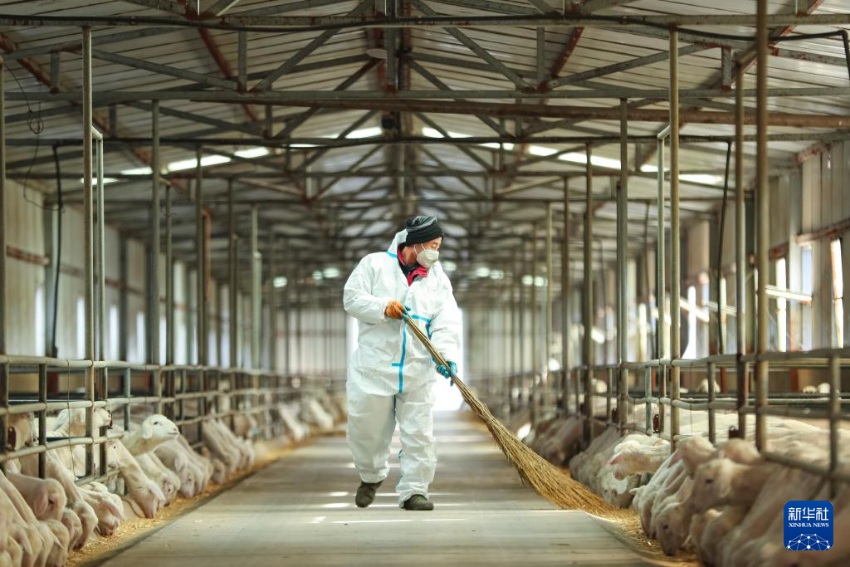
{"type": "Point", "coordinates": [337, 180]}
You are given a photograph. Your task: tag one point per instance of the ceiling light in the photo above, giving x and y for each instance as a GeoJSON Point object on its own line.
{"type": "Point", "coordinates": [193, 162]}
{"type": "Point", "coordinates": [138, 171]}
{"type": "Point", "coordinates": [252, 153]}
{"type": "Point", "coordinates": [94, 180]}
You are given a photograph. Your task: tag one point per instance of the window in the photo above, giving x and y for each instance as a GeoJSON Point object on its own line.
{"type": "Point", "coordinates": [837, 293]}
{"type": "Point", "coordinates": [114, 352]}
{"type": "Point", "coordinates": [141, 353]}
{"type": "Point", "coordinates": [781, 307]}
{"type": "Point", "coordinates": [807, 281]}
{"type": "Point", "coordinates": [81, 328]}
{"type": "Point", "coordinates": [39, 320]}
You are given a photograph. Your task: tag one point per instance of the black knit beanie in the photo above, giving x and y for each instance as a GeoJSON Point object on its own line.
{"type": "Point", "coordinates": [422, 228]}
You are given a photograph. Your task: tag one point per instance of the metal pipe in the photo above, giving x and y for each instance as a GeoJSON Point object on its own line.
{"type": "Point", "coordinates": [273, 307]}
{"type": "Point", "coordinates": [88, 238]}
{"type": "Point", "coordinates": [762, 220]}
{"type": "Point", "coordinates": [2, 216]}
{"type": "Point", "coordinates": [834, 415]}
{"type": "Point", "coordinates": [566, 285]}
{"type": "Point", "coordinates": [675, 234]}
{"type": "Point", "coordinates": [588, 296]}
{"type": "Point", "coordinates": [256, 292]}
{"type": "Point", "coordinates": [740, 253]}
{"type": "Point", "coordinates": [233, 281]}
{"type": "Point", "coordinates": [535, 307]}
{"type": "Point", "coordinates": [169, 277]}
{"type": "Point", "coordinates": [200, 252]}
{"type": "Point", "coordinates": [547, 315]}
{"type": "Point", "coordinates": [4, 380]}
{"type": "Point", "coordinates": [154, 242]}
{"type": "Point", "coordinates": [622, 249]}
{"type": "Point", "coordinates": [660, 259]}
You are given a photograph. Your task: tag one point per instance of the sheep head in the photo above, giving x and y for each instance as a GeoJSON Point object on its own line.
{"type": "Point", "coordinates": [158, 427]}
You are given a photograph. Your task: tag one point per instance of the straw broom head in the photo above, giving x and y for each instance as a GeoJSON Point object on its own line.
{"type": "Point", "coordinates": [549, 481]}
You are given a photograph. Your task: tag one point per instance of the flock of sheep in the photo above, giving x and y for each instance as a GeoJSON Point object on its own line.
{"type": "Point", "coordinates": [152, 463]}
{"type": "Point", "coordinates": [726, 502]}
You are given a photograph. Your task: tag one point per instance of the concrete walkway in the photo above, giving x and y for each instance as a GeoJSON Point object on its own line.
{"type": "Point", "coordinates": [300, 511]}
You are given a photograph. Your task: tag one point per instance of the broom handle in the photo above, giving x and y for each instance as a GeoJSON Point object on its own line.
{"type": "Point", "coordinates": [420, 334]}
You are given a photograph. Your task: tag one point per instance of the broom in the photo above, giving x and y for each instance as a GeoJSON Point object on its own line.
{"type": "Point", "coordinates": [534, 470]}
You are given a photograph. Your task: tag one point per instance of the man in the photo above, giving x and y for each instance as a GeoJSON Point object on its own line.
{"type": "Point", "coordinates": [391, 374]}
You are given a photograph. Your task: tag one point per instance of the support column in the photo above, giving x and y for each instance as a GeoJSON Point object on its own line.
{"type": "Point", "coordinates": [743, 383]}
{"type": "Point", "coordinates": [588, 296]}
{"type": "Point", "coordinates": [88, 240]}
{"type": "Point", "coordinates": [2, 217]}
{"type": "Point", "coordinates": [200, 252]}
{"type": "Point", "coordinates": [622, 254]}
{"type": "Point", "coordinates": [233, 279]}
{"type": "Point", "coordinates": [762, 221]}
{"type": "Point", "coordinates": [566, 303]}
{"type": "Point", "coordinates": [154, 242]}
{"type": "Point", "coordinates": [256, 291]}
{"type": "Point", "coordinates": [675, 233]}
{"type": "Point", "coordinates": [169, 278]}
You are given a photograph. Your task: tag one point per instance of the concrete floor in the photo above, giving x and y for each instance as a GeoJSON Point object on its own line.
{"type": "Point", "coordinates": [300, 511]}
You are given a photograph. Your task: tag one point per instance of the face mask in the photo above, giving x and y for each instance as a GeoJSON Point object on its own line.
{"type": "Point", "coordinates": [427, 257]}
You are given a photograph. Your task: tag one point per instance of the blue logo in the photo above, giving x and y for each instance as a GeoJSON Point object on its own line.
{"type": "Point", "coordinates": [808, 525]}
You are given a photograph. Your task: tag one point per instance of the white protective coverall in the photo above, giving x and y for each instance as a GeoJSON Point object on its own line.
{"type": "Point", "coordinates": [391, 374]}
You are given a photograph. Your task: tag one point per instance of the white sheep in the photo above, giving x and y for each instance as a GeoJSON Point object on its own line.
{"type": "Point", "coordinates": [40, 538]}
{"type": "Point", "coordinates": [633, 456]}
{"type": "Point", "coordinates": [722, 481]}
{"type": "Point", "coordinates": [716, 530]}
{"type": "Point", "coordinates": [22, 541]}
{"type": "Point", "coordinates": [167, 480]}
{"type": "Point", "coordinates": [144, 497]}
{"type": "Point", "coordinates": [294, 427]}
{"type": "Point", "coordinates": [154, 430]}
{"type": "Point", "coordinates": [107, 506]}
{"type": "Point", "coordinates": [74, 526]}
{"type": "Point", "coordinates": [173, 456]}
{"type": "Point", "coordinates": [671, 518]}
{"type": "Point", "coordinates": [45, 496]}
{"type": "Point", "coordinates": [54, 468]}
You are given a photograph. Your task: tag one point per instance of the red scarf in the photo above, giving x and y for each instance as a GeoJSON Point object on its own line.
{"type": "Point", "coordinates": [411, 273]}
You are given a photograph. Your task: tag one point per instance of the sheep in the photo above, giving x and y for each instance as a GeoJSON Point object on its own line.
{"type": "Point", "coordinates": [699, 522]}
{"type": "Point", "coordinates": [219, 447]}
{"type": "Point", "coordinates": [703, 386]}
{"type": "Point", "coordinates": [722, 481]}
{"type": "Point", "coordinates": [24, 545]}
{"type": "Point", "coordinates": [666, 481]}
{"type": "Point", "coordinates": [54, 468]}
{"type": "Point", "coordinates": [289, 416]}
{"type": "Point", "coordinates": [672, 518]}
{"type": "Point", "coordinates": [716, 530]}
{"type": "Point", "coordinates": [203, 465]}
{"type": "Point", "coordinates": [74, 526]}
{"type": "Point", "coordinates": [634, 456]}
{"type": "Point", "coordinates": [107, 506]}
{"type": "Point", "coordinates": [72, 423]}
{"type": "Point", "coordinates": [154, 430]}
{"type": "Point", "coordinates": [173, 456]}
{"type": "Point", "coordinates": [45, 496]}
{"type": "Point", "coordinates": [40, 538]}
{"type": "Point", "coordinates": [167, 480]}
{"type": "Point", "coordinates": [144, 497]}
{"type": "Point", "coordinates": [314, 414]}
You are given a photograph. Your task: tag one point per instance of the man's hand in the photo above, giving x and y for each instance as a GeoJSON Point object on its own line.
{"type": "Point", "coordinates": [395, 309]}
{"type": "Point", "coordinates": [448, 372]}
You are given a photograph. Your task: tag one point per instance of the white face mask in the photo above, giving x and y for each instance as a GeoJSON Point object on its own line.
{"type": "Point", "coordinates": [428, 257]}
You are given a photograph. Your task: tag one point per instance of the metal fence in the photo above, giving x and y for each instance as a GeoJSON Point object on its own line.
{"type": "Point", "coordinates": [641, 397]}
{"type": "Point", "coordinates": [188, 395]}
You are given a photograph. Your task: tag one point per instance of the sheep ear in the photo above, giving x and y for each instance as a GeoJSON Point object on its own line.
{"type": "Point", "coordinates": [40, 504]}
{"type": "Point", "coordinates": [147, 430]}
{"type": "Point", "coordinates": [615, 459]}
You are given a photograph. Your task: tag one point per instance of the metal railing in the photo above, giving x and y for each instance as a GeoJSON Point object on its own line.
{"type": "Point", "coordinates": [188, 395]}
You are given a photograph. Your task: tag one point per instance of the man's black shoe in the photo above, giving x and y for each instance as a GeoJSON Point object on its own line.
{"type": "Point", "coordinates": [418, 502]}
{"type": "Point", "coordinates": [366, 493]}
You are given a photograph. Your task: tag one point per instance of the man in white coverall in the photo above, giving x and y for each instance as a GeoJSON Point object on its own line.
{"type": "Point", "coordinates": [391, 374]}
